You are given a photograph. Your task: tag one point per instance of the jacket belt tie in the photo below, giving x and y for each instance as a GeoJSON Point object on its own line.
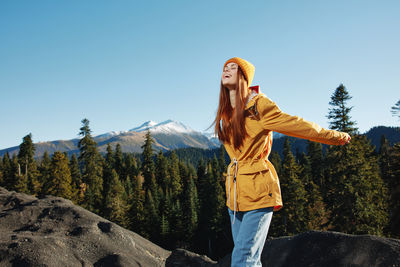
{"type": "Point", "coordinates": [234, 162]}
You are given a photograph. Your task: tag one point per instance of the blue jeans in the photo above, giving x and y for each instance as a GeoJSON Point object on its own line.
{"type": "Point", "coordinates": [249, 232]}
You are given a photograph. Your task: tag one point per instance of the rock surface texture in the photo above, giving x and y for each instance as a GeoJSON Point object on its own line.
{"type": "Point", "coordinates": [52, 231]}
{"type": "Point", "coordinates": [329, 249]}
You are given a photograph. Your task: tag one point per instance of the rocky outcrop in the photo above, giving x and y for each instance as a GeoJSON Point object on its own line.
{"type": "Point", "coordinates": [52, 231]}
{"type": "Point", "coordinates": [329, 249]}
{"type": "Point", "coordinates": [182, 257]}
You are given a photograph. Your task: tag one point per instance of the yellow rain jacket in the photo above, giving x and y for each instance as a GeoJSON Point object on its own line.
{"type": "Point", "coordinates": [252, 181]}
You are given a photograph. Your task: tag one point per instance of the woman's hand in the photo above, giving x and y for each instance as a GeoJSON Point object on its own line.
{"type": "Point", "coordinates": [346, 139]}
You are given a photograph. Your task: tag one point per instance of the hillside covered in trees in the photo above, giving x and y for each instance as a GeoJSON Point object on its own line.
{"type": "Point", "coordinates": [178, 199]}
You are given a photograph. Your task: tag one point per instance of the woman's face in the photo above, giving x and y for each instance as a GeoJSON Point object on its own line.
{"type": "Point", "coordinates": [229, 75]}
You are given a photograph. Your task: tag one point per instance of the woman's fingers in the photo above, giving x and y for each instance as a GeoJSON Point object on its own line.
{"type": "Point", "coordinates": [346, 140]}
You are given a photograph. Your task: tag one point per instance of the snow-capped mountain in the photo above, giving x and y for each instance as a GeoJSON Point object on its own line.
{"type": "Point", "coordinates": [209, 135]}
{"type": "Point", "coordinates": [144, 126]}
{"type": "Point", "coordinates": [110, 134]}
{"type": "Point", "coordinates": [166, 127]}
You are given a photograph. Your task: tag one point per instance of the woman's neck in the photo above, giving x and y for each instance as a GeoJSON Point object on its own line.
{"type": "Point", "coordinates": [232, 97]}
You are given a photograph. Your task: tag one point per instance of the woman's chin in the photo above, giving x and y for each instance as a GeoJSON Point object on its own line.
{"type": "Point", "coordinates": [228, 84]}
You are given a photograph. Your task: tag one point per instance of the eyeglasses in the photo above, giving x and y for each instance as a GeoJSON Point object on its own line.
{"type": "Point", "coordinates": [231, 67]}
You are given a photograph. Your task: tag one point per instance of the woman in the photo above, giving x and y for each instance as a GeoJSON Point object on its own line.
{"type": "Point", "coordinates": [244, 123]}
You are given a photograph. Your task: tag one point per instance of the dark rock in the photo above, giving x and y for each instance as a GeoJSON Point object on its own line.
{"type": "Point", "coordinates": [52, 231]}
{"type": "Point", "coordinates": [182, 257]}
{"type": "Point", "coordinates": [317, 248]}
{"type": "Point", "coordinates": [76, 231]}
{"type": "Point", "coordinates": [105, 227]}
{"type": "Point", "coordinates": [115, 261]}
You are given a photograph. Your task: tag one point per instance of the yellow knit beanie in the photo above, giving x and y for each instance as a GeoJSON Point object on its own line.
{"type": "Point", "coordinates": [247, 68]}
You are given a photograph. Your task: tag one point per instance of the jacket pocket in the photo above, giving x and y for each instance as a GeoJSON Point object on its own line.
{"type": "Point", "coordinates": [254, 186]}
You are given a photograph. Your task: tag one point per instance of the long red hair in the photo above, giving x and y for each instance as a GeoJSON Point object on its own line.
{"type": "Point", "coordinates": [229, 122]}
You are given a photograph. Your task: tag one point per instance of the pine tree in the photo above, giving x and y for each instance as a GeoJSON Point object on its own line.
{"type": "Point", "coordinates": [317, 216]}
{"type": "Point", "coordinates": [356, 194]}
{"type": "Point", "coordinates": [59, 183]}
{"type": "Point", "coordinates": [7, 171]}
{"type": "Point", "coordinates": [318, 213]}
{"type": "Point", "coordinates": [314, 152]}
{"type": "Point", "coordinates": [176, 182]}
{"type": "Point", "coordinates": [45, 173]}
{"type": "Point", "coordinates": [164, 231]}
{"type": "Point", "coordinates": [165, 225]}
{"type": "Point", "coordinates": [394, 186]}
{"type": "Point", "coordinates": [201, 170]}
{"type": "Point", "coordinates": [130, 163]}
{"type": "Point", "coordinates": [339, 114]}
{"type": "Point", "coordinates": [148, 168]}
{"type": "Point", "coordinates": [136, 208]}
{"type": "Point", "coordinates": [276, 160]}
{"type": "Point", "coordinates": [203, 235]}
{"type": "Point", "coordinates": [18, 181]}
{"type": "Point", "coordinates": [148, 163]}
{"type": "Point", "coordinates": [176, 223]}
{"type": "Point", "coordinates": [151, 218]}
{"type": "Point", "coordinates": [115, 206]}
{"type": "Point", "coordinates": [214, 209]}
{"type": "Point", "coordinates": [202, 187]}
{"type": "Point", "coordinates": [389, 161]}
{"type": "Point", "coordinates": [184, 173]}
{"type": "Point", "coordinates": [119, 163]}
{"type": "Point", "coordinates": [128, 191]}
{"type": "Point", "coordinates": [28, 164]}
{"type": "Point", "coordinates": [221, 159]}
{"type": "Point", "coordinates": [162, 175]}
{"type": "Point", "coordinates": [384, 158]}
{"type": "Point", "coordinates": [76, 180]}
{"type": "Point", "coordinates": [91, 163]}
{"type": "Point", "coordinates": [108, 176]}
{"type": "Point", "coordinates": [292, 218]}
{"type": "Point", "coordinates": [190, 208]}
{"type": "Point", "coordinates": [110, 157]}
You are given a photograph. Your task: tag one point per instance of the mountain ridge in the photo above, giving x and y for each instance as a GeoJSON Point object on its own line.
{"type": "Point", "coordinates": [167, 135]}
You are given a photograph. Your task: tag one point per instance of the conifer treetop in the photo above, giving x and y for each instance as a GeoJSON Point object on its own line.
{"type": "Point", "coordinates": [339, 114]}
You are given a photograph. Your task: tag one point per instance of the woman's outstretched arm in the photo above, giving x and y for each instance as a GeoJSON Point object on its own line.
{"type": "Point", "coordinates": [272, 118]}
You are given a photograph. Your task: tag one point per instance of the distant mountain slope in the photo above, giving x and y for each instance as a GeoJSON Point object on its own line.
{"type": "Point", "coordinates": [165, 127]}
{"type": "Point", "coordinates": [391, 133]}
{"type": "Point", "coordinates": [167, 135]}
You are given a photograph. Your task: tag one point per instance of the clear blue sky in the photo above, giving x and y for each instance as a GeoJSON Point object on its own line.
{"type": "Point", "coordinates": [121, 63]}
